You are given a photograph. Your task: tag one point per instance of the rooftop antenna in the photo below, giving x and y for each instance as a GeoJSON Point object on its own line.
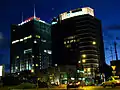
{"type": "Point", "coordinates": [111, 51]}
{"type": "Point", "coordinates": [34, 12]}
{"type": "Point", "coordinates": [115, 43]}
{"type": "Point", "coordinates": [22, 16]}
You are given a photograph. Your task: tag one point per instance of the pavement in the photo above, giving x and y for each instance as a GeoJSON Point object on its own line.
{"type": "Point", "coordinates": [80, 88]}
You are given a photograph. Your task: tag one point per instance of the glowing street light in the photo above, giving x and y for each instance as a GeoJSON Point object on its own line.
{"type": "Point", "coordinates": [84, 56]}
{"type": "Point", "coordinates": [94, 43]}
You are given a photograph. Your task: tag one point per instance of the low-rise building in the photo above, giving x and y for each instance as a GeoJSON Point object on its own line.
{"type": "Point", "coordinates": [115, 64]}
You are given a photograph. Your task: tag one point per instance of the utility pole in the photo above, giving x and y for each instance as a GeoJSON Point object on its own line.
{"type": "Point", "coordinates": [115, 50]}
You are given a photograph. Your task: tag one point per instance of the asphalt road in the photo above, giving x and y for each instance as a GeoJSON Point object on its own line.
{"type": "Point", "coordinates": [80, 88]}
{"type": "Point", "coordinates": [98, 88]}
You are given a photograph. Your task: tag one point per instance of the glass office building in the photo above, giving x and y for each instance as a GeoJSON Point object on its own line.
{"type": "Point", "coordinates": [30, 45]}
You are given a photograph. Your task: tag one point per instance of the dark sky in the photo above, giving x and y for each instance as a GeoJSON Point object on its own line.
{"type": "Point", "coordinates": [10, 13]}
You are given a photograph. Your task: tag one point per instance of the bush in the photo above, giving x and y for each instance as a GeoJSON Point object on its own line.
{"type": "Point", "coordinates": [42, 85]}
{"type": "Point", "coordinates": [10, 81]}
{"type": "Point", "coordinates": [25, 86]}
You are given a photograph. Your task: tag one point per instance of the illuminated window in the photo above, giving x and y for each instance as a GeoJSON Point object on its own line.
{"type": "Point", "coordinates": [39, 56]}
{"type": "Point", "coordinates": [93, 42]}
{"type": "Point", "coordinates": [37, 36]}
{"type": "Point", "coordinates": [71, 41]}
{"type": "Point", "coordinates": [27, 65]}
{"type": "Point", "coordinates": [36, 64]}
{"type": "Point", "coordinates": [15, 41]}
{"type": "Point", "coordinates": [74, 40]}
{"type": "Point", "coordinates": [45, 50]}
{"type": "Point", "coordinates": [68, 46]}
{"type": "Point", "coordinates": [21, 39]}
{"type": "Point", "coordinates": [32, 70]}
{"type": "Point", "coordinates": [54, 23]}
{"type": "Point", "coordinates": [67, 41]}
{"type": "Point", "coordinates": [56, 65]}
{"type": "Point", "coordinates": [85, 69]}
{"type": "Point", "coordinates": [32, 64]}
{"type": "Point", "coordinates": [25, 38]}
{"type": "Point", "coordinates": [83, 60]}
{"type": "Point", "coordinates": [88, 69]}
{"type": "Point", "coordinates": [28, 51]}
{"type": "Point", "coordinates": [71, 37]}
{"type": "Point", "coordinates": [64, 42]}
{"type": "Point", "coordinates": [35, 41]}
{"type": "Point", "coordinates": [49, 52]}
{"type": "Point", "coordinates": [29, 36]}
{"type": "Point", "coordinates": [84, 55]}
{"type": "Point", "coordinates": [17, 57]}
{"type": "Point", "coordinates": [14, 30]}
{"type": "Point", "coordinates": [79, 61]}
{"type": "Point", "coordinates": [78, 40]}
{"type": "Point", "coordinates": [43, 40]}
{"type": "Point", "coordinates": [16, 67]}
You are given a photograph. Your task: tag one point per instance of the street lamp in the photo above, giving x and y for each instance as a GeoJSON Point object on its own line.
{"type": "Point", "coordinates": [94, 43]}
{"type": "Point", "coordinates": [84, 55]}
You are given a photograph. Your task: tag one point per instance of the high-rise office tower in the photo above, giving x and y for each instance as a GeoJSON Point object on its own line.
{"type": "Point", "coordinates": [77, 40]}
{"type": "Point", "coordinates": [30, 45]}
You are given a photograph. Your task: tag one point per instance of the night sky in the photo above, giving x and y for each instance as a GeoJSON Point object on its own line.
{"type": "Point", "coordinates": [11, 10]}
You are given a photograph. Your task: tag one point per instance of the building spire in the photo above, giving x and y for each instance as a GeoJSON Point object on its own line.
{"type": "Point", "coordinates": [34, 12]}
{"type": "Point", "coordinates": [22, 17]}
{"type": "Point", "coordinates": [115, 43]}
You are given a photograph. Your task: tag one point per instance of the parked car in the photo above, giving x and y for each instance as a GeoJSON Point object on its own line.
{"type": "Point", "coordinates": [111, 81]}
{"type": "Point", "coordinates": [73, 85]}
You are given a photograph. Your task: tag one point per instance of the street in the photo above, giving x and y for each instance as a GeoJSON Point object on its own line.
{"type": "Point", "coordinates": [98, 88]}
{"type": "Point", "coordinates": [86, 88]}
{"type": "Point", "coordinates": [80, 88]}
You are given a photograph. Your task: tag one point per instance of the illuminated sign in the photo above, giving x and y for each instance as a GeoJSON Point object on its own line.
{"type": "Point", "coordinates": [1, 70]}
{"type": "Point", "coordinates": [29, 19]}
{"type": "Point", "coordinates": [114, 72]}
{"type": "Point", "coordinates": [113, 67]}
{"type": "Point", "coordinates": [86, 10]}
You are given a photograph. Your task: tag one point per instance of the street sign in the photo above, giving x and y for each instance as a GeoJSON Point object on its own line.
{"type": "Point", "coordinates": [113, 67]}
{"type": "Point", "coordinates": [114, 72]}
